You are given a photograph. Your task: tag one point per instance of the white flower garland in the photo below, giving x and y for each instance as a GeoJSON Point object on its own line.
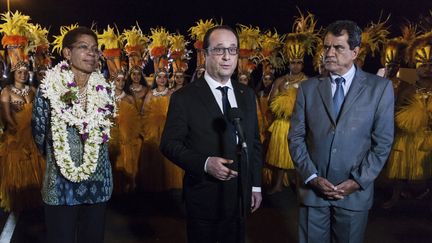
{"type": "Point", "coordinates": [93, 123]}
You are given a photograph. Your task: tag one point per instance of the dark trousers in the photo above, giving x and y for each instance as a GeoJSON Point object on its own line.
{"type": "Point", "coordinates": [215, 231]}
{"type": "Point", "coordinates": [75, 224]}
{"type": "Point", "coordinates": [331, 224]}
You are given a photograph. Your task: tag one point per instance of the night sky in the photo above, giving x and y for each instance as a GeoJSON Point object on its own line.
{"type": "Point", "coordinates": [181, 15]}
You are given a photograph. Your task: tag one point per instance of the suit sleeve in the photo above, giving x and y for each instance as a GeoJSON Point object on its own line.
{"type": "Point", "coordinates": [297, 139]}
{"type": "Point", "coordinates": [173, 141]}
{"type": "Point", "coordinates": [382, 140]}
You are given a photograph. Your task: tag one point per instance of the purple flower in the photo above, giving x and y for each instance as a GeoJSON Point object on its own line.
{"type": "Point", "coordinates": [84, 136]}
{"type": "Point", "coordinates": [99, 87]}
{"type": "Point", "coordinates": [64, 67]}
{"type": "Point", "coordinates": [72, 84]}
{"type": "Point", "coordinates": [85, 125]}
{"type": "Point", "coordinates": [105, 137]}
{"type": "Point", "coordinates": [109, 90]}
{"type": "Point", "coordinates": [109, 107]}
{"type": "Point", "coordinates": [101, 109]}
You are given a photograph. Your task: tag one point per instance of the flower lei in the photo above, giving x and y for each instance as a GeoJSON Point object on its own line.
{"type": "Point", "coordinates": [93, 124]}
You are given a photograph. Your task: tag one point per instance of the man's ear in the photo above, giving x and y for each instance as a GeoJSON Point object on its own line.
{"type": "Point", "coordinates": [356, 52]}
{"type": "Point", "coordinates": [67, 53]}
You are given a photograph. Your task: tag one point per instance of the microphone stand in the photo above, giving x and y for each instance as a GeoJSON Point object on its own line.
{"type": "Point", "coordinates": [242, 183]}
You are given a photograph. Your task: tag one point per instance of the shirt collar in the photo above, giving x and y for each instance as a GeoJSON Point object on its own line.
{"type": "Point", "coordinates": [347, 76]}
{"type": "Point", "coordinates": [214, 84]}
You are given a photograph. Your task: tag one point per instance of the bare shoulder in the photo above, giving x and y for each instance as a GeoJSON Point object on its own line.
{"type": "Point", "coordinates": [5, 94]}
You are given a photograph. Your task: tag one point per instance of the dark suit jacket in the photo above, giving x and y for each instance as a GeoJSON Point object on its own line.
{"type": "Point", "coordinates": [195, 129]}
{"type": "Point", "coordinates": [354, 146]}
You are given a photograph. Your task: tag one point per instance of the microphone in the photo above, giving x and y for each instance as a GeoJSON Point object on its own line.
{"type": "Point", "coordinates": [234, 115]}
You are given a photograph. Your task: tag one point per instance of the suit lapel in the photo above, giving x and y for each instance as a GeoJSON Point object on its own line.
{"type": "Point", "coordinates": [239, 94]}
{"type": "Point", "coordinates": [357, 86]}
{"type": "Point", "coordinates": [240, 98]}
{"type": "Point", "coordinates": [207, 97]}
{"type": "Point", "coordinates": [324, 88]}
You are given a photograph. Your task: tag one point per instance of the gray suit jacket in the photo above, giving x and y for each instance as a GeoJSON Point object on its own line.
{"type": "Point", "coordinates": [353, 146]}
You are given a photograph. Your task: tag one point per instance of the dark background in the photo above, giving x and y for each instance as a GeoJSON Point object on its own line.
{"type": "Point", "coordinates": [179, 16]}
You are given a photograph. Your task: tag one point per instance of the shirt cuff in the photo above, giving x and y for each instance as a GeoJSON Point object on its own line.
{"type": "Point", "coordinates": [256, 189]}
{"type": "Point", "coordinates": [205, 165]}
{"type": "Point", "coordinates": [310, 178]}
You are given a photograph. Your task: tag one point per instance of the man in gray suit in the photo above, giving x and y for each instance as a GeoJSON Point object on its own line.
{"type": "Point", "coordinates": [340, 137]}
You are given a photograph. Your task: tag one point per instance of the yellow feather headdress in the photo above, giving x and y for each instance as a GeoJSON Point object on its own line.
{"type": "Point", "coordinates": [15, 27]}
{"type": "Point", "coordinates": [111, 40]}
{"type": "Point", "coordinates": [270, 55]}
{"type": "Point", "coordinates": [39, 44]}
{"type": "Point", "coordinates": [178, 54]}
{"type": "Point", "coordinates": [58, 39]}
{"type": "Point", "coordinates": [318, 57]}
{"type": "Point", "coordinates": [197, 33]}
{"type": "Point", "coordinates": [420, 50]}
{"type": "Point", "coordinates": [249, 44]}
{"type": "Point", "coordinates": [135, 47]}
{"type": "Point", "coordinates": [394, 50]}
{"type": "Point", "coordinates": [158, 49]}
{"type": "Point", "coordinates": [372, 38]}
{"type": "Point", "coordinates": [303, 38]}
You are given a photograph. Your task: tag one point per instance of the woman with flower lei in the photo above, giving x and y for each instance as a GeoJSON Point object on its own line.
{"type": "Point", "coordinates": [125, 142]}
{"type": "Point", "coordinates": [158, 173]}
{"type": "Point", "coordinates": [71, 123]}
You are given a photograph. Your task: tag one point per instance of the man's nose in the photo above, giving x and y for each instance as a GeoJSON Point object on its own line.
{"type": "Point", "coordinates": [226, 55]}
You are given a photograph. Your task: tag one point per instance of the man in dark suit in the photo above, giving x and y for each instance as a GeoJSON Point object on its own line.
{"type": "Point", "coordinates": [340, 137]}
{"type": "Point", "coordinates": [199, 138]}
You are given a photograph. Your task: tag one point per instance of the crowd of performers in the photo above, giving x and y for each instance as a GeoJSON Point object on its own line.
{"type": "Point", "coordinates": [142, 99]}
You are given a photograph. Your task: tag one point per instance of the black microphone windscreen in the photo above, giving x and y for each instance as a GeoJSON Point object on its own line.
{"type": "Point", "coordinates": [234, 113]}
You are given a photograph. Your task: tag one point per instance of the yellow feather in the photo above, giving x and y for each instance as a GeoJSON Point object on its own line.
{"type": "Point", "coordinates": [109, 38]}
{"type": "Point", "coordinates": [58, 39]}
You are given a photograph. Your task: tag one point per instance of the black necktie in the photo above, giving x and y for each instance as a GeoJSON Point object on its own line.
{"type": "Point", "coordinates": [339, 95]}
{"type": "Point", "coordinates": [226, 107]}
{"type": "Point", "coordinates": [225, 102]}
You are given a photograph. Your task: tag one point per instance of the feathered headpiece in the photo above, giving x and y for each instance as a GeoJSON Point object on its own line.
{"type": "Point", "coordinates": [420, 50]}
{"type": "Point", "coordinates": [197, 33]}
{"type": "Point", "coordinates": [136, 43]}
{"type": "Point", "coordinates": [425, 22]}
{"type": "Point", "coordinates": [178, 54]}
{"type": "Point", "coordinates": [58, 39]}
{"type": "Point", "coordinates": [15, 39]}
{"type": "Point", "coordinates": [39, 45]}
{"type": "Point", "coordinates": [394, 51]}
{"type": "Point", "coordinates": [111, 40]}
{"type": "Point", "coordinates": [303, 38]}
{"type": "Point", "coordinates": [318, 58]}
{"type": "Point", "coordinates": [249, 44]}
{"type": "Point", "coordinates": [270, 52]}
{"type": "Point", "coordinates": [158, 49]}
{"type": "Point", "coordinates": [372, 38]}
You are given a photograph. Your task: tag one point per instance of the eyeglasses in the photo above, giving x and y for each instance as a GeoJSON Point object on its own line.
{"type": "Point", "coordinates": [87, 48]}
{"type": "Point", "coordinates": [221, 50]}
